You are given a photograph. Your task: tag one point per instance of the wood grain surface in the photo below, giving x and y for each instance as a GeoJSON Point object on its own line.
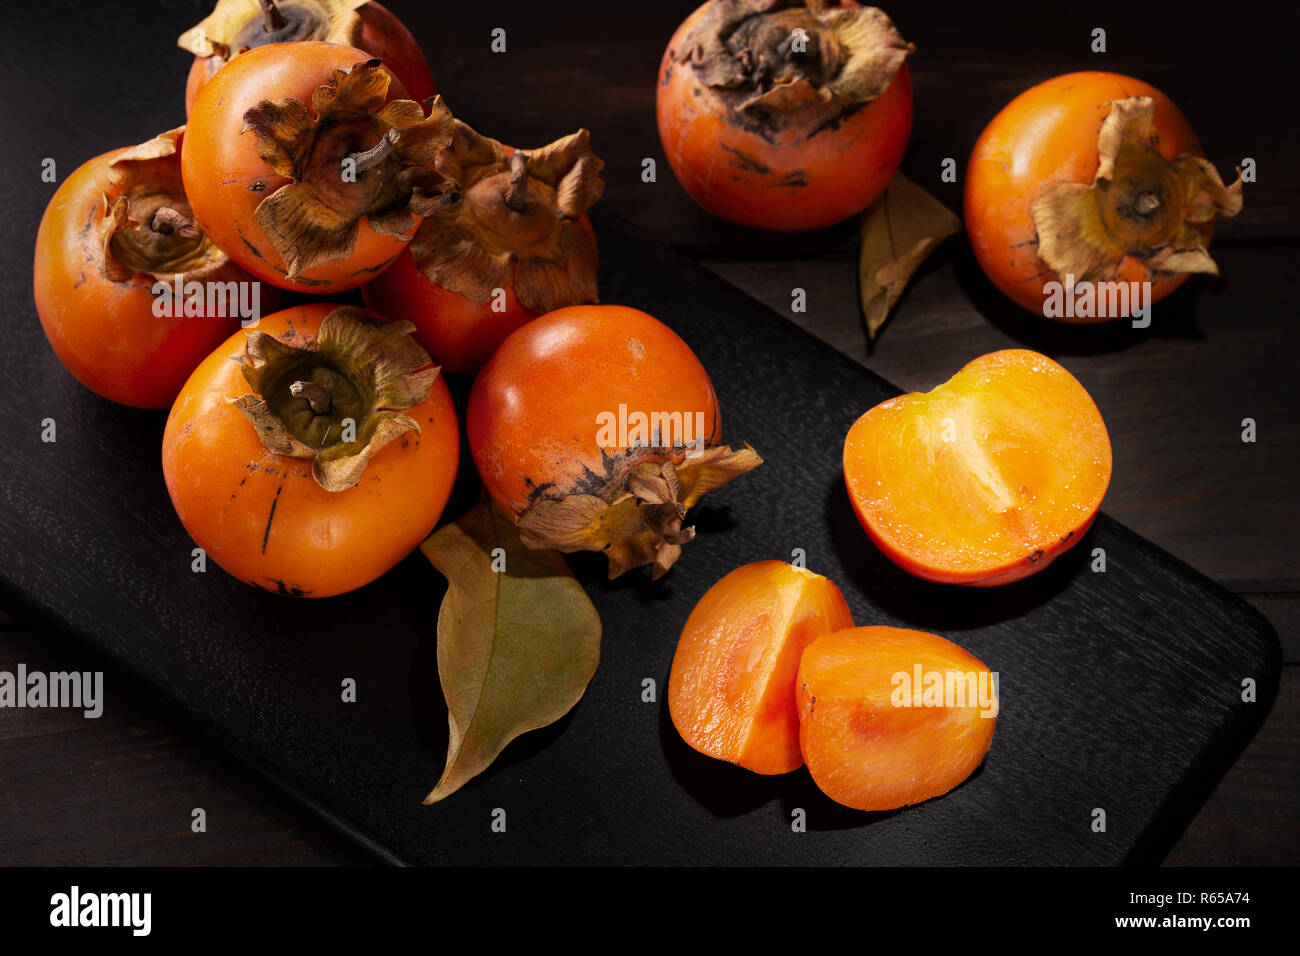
{"type": "Point", "coordinates": [121, 789]}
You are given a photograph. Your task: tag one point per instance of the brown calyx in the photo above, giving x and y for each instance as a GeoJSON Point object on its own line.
{"type": "Point", "coordinates": [349, 155]}
{"type": "Point", "coordinates": [236, 25]}
{"type": "Point", "coordinates": [515, 220]}
{"type": "Point", "coordinates": [147, 229]}
{"type": "Point", "coordinates": [637, 519]}
{"type": "Point", "coordinates": [784, 54]}
{"type": "Point", "coordinates": [337, 400]}
{"type": "Point", "coordinates": [1139, 204]}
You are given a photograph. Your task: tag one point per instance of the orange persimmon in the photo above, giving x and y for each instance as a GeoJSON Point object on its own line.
{"type": "Point", "coordinates": [596, 428]}
{"type": "Point", "coordinates": [236, 26]}
{"type": "Point", "coordinates": [308, 166]}
{"type": "Point", "coordinates": [731, 688]}
{"type": "Point", "coordinates": [312, 453]}
{"type": "Point", "coordinates": [1087, 178]}
{"type": "Point", "coordinates": [890, 717]}
{"type": "Point", "coordinates": [764, 134]}
{"type": "Point", "coordinates": [985, 479]}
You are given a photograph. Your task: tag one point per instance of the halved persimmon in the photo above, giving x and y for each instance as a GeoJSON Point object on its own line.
{"type": "Point", "coordinates": [987, 478]}
{"type": "Point", "coordinates": [731, 688]}
{"type": "Point", "coordinates": [890, 717]}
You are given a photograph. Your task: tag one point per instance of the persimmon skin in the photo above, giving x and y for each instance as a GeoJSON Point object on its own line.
{"type": "Point", "coordinates": [382, 35]}
{"type": "Point", "coordinates": [226, 179]}
{"type": "Point", "coordinates": [731, 688]}
{"type": "Point", "coordinates": [105, 332]}
{"type": "Point", "coordinates": [1019, 482]}
{"type": "Point", "coordinates": [459, 334]}
{"type": "Point", "coordinates": [864, 751]}
{"type": "Point", "coordinates": [532, 413]}
{"type": "Point", "coordinates": [262, 516]}
{"type": "Point", "coordinates": [1048, 135]}
{"type": "Point", "coordinates": [789, 178]}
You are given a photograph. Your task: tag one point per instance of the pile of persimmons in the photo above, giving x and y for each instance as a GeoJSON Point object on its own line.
{"type": "Point", "coordinates": [309, 450]}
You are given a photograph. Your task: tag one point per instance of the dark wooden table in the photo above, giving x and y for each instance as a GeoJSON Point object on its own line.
{"type": "Point", "coordinates": [121, 789]}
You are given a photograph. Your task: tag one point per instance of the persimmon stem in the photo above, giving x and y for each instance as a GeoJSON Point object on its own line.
{"type": "Point", "coordinates": [1146, 203]}
{"type": "Point", "coordinates": [167, 220]}
{"type": "Point", "coordinates": [517, 197]}
{"type": "Point", "coordinates": [272, 18]}
{"type": "Point", "coordinates": [375, 154]}
{"type": "Point", "coordinates": [316, 395]}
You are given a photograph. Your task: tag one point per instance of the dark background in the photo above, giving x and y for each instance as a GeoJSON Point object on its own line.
{"type": "Point", "coordinates": [119, 789]}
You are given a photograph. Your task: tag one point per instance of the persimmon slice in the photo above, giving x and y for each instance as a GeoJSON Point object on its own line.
{"type": "Point", "coordinates": [987, 478]}
{"type": "Point", "coordinates": [731, 692]}
{"type": "Point", "coordinates": [891, 717]}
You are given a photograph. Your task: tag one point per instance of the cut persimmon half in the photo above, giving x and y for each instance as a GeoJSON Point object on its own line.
{"type": "Point", "coordinates": [731, 691]}
{"type": "Point", "coordinates": [890, 717]}
{"type": "Point", "coordinates": [987, 478]}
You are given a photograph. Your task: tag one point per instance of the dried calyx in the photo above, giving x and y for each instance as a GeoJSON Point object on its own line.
{"type": "Point", "coordinates": [1139, 204]}
{"type": "Point", "coordinates": [634, 512]}
{"type": "Point", "coordinates": [238, 25]}
{"type": "Point", "coordinates": [785, 54]}
{"type": "Point", "coordinates": [515, 220]}
{"type": "Point", "coordinates": [337, 400]}
{"type": "Point", "coordinates": [392, 147]}
{"type": "Point", "coordinates": [147, 228]}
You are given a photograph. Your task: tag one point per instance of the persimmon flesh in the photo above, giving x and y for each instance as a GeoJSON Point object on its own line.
{"type": "Point", "coordinates": [731, 689]}
{"type": "Point", "coordinates": [872, 740]}
{"type": "Point", "coordinates": [987, 478]}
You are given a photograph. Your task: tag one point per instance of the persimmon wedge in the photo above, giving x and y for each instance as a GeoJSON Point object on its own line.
{"type": "Point", "coordinates": [731, 689]}
{"type": "Point", "coordinates": [890, 717]}
{"type": "Point", "coordinates": [987, 478]}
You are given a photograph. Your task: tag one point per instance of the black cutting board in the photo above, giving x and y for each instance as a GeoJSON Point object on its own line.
{"type": "Point", "coordinates": [1120, 690]}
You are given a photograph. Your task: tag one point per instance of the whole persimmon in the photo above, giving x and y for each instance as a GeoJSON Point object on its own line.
{"type": "Point", "coordinates": [731, 691]}
{"type": "Point", "coordinates": [307, 165]}
{"type": "Point", "coordinates": [236, 26]}
{"type": "Point", "coordinates": [115, 243]}
{"type": "Point", "coordinates": [309, 455]}
{"type": "Point", "coordinates": [784, 115]}
{"type": "Point", "coordinates": [595, 428]}
{"type": "Point", "coordinates": [515, 243]}
{"type": "Point", "coordinates": [1092, 178]}
{"type": "Point", "coordinates": [985, 479]}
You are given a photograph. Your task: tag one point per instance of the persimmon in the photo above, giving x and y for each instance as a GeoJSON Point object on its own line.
{"type": "Point", "coordinates": [731, 691]}
{"type": "Point", "coordinates": [595, 428]}
{"type": "Point", "coordinates": [307, 165]}
{"type": "Point", "coordinates": [311, 454]}
{"type": "Point", "coordinates": [985, 479]}
{"type": "Point", "coordinates": [890, 717]}
{"type": "Point", "coordinates": [782, 114]}
{"type": "Point", "coordinates": [1092, 178]}
{"type": "Point", "coordinates": [236, 26]}
{"type": "Point", "coordinates": [114, 242]}
{"type": "Point", "coordinates": [514, 244]}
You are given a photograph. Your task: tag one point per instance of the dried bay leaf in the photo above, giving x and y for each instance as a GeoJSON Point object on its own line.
{"type": "Point", "coordinates": [899, 230]}
{"type": "Point", "coordinates": [516, 647]}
